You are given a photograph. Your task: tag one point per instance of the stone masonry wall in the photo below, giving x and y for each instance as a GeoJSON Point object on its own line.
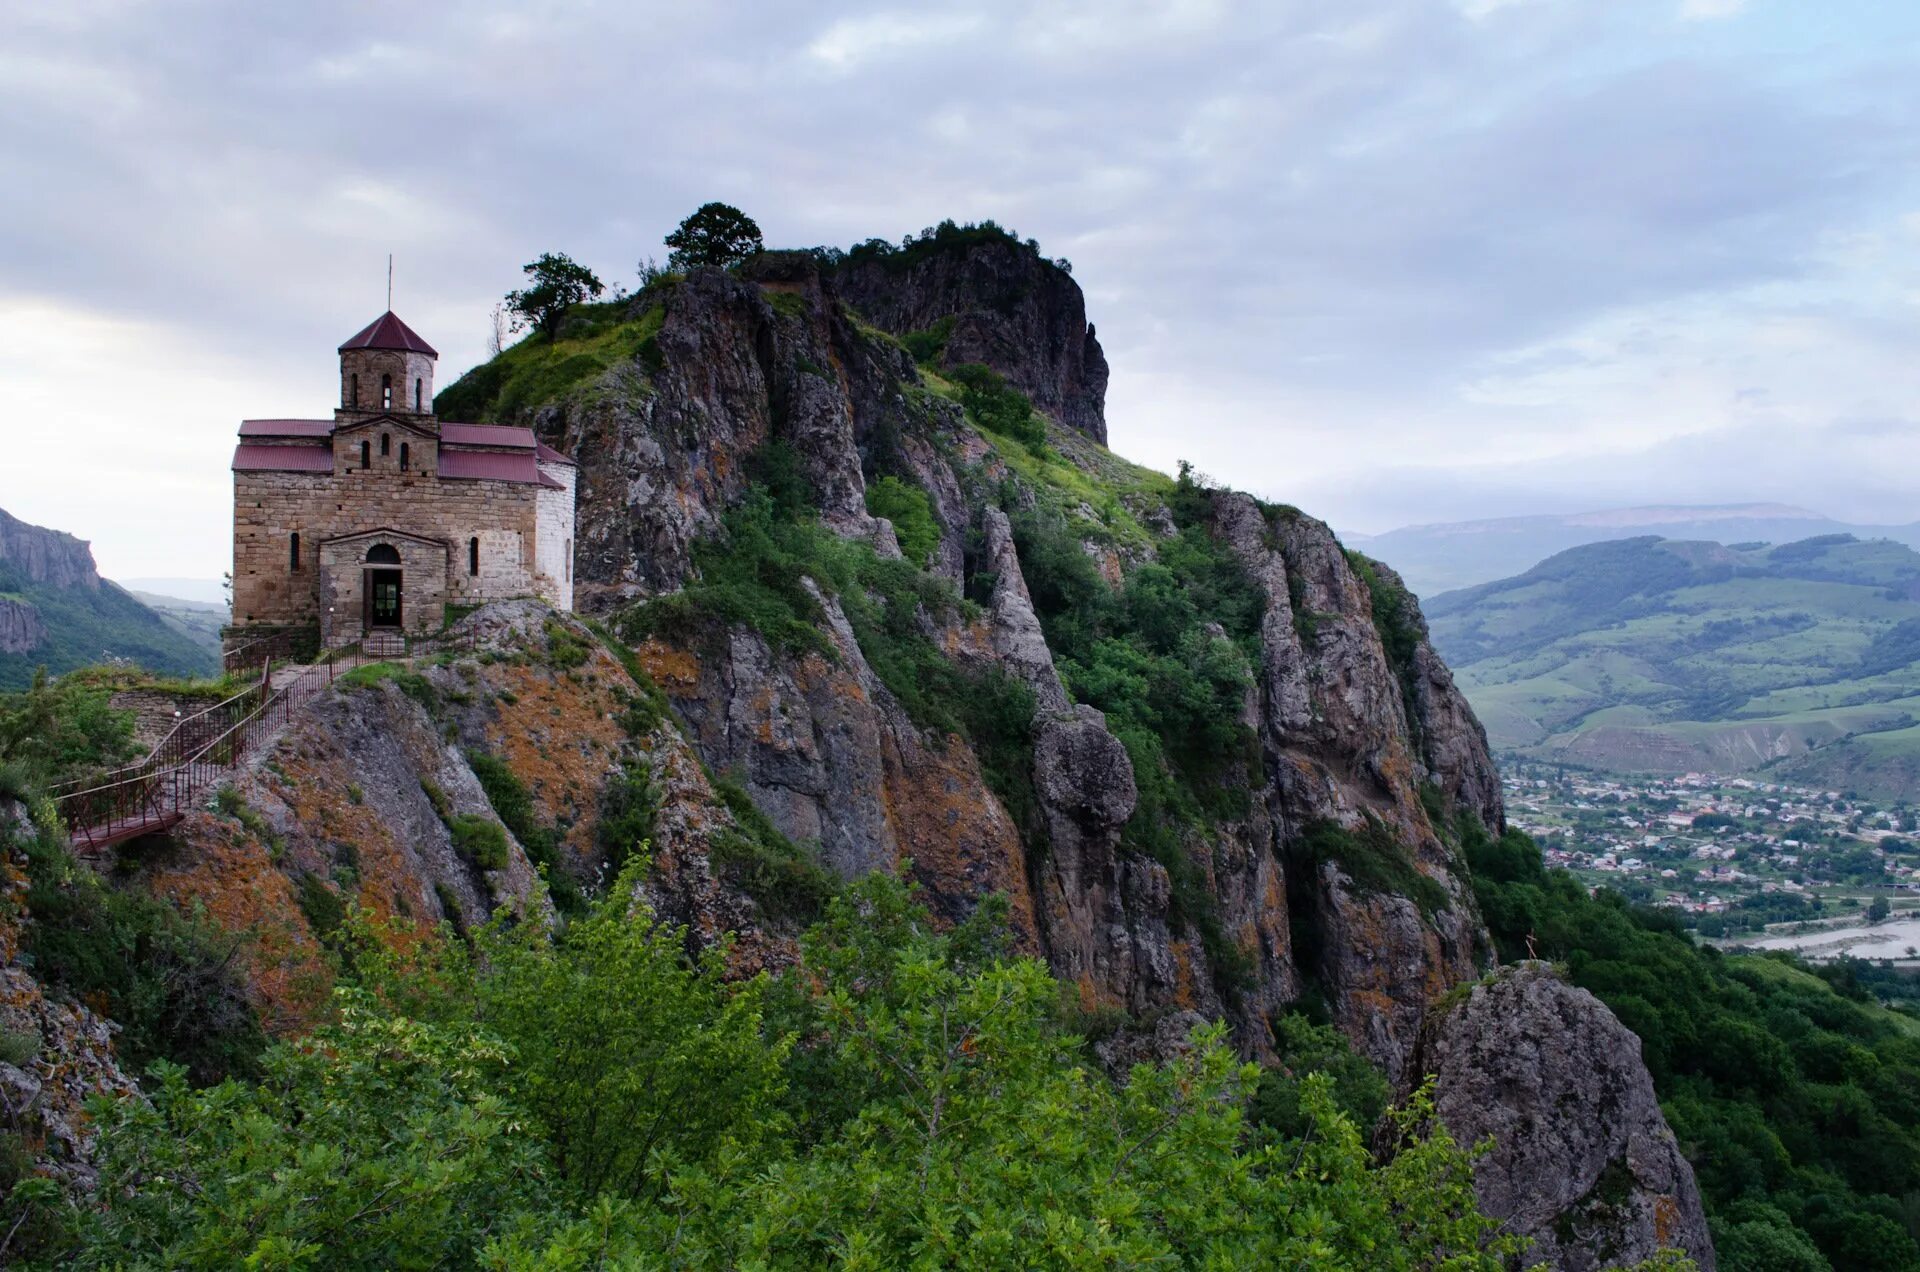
{"type": "Point", "coordinates": [343, 574]}
{"type": "Point", "coordinates": [269, 507]}
{"type": "Point", "coordinates": [371, 364]}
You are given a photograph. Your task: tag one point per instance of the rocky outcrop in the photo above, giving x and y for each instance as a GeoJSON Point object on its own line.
{"type": "Point", "coordinates": [50, 557]}
{"type": "Point", "coordinates": [1003, 305]}
{"type": "Point", "coordinates": [1338, 750]}
{"type": "Point", "coordinates": [1451, 740]}
{"type": "Point", "coordinates": [1582, 1161]}
{"type": "Point", "coordinates": [20, 627]}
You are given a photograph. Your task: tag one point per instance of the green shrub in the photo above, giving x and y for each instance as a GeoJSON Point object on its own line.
{"type": "Point", "coordinates": [927, 346]}
{"type": "Point", "coordinates": [911, 513]}
{"type": "Point", "coordinates": [997, 406]}
{"type": "Point", "coordinates": [1374, 859]}
{"type": "Point", "coordinates": [322, 906]}
{"type": "Point", "coordinates": [777, 873]}
{"type": "Point", "coordinates": [1304, 1047]}
{"type": "Point", "coordinates": [627, 809]}
{"type": "Point", "coordinates": [480, 840]}
{"type": "Point", "coordinates": [170, 980]}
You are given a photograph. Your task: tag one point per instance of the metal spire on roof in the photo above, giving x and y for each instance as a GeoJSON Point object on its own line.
{"type": "Point", "coordinates": [389, 282]}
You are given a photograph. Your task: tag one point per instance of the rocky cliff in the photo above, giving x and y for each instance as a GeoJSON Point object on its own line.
{"type": "Point", "coordinates": [45, 556]}
{"type": "Point", "coordinates": [852, 614]}
{"type": "Point", "coordinates": [994, 301]}
{"type": "Point", "coordinates": [1349, 747]}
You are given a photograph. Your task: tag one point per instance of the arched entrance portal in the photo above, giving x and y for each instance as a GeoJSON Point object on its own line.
{"type": "Point", "coordinates": [382, 591]}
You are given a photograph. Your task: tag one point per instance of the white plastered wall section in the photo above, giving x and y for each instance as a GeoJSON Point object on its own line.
{"type": "Point", "coordinates": [553, 537]}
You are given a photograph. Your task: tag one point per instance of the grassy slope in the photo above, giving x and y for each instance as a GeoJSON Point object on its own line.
{"type": "Point", "coordinates": [1656, 654]}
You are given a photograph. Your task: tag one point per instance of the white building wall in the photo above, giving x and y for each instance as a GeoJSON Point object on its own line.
{"type": "Point", "coordinates": [553, 537]}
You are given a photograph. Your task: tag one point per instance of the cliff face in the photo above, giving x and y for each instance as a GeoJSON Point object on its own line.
{"type": "Point", "coordinates": [1208, 757]}
{"type": "Point", "coordinates": [668, 444]}
{"type": "Point", "coordinates": [20, 627]}
{"type": "Point", "coordinates": [45, 556]}
{"type": "Point", "coordinates": [1582, 1160]}
{"type": "Point", "coordinates": [999, 303]}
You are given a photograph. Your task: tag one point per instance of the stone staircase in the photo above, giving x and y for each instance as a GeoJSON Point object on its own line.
{"type": "Point", "coordinates": [384, 644]}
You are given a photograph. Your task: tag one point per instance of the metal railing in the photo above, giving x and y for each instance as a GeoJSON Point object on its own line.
{"type": "Point", "coordinates": [200, 752]}
{"type": "Point", "coordinates": [280, 645]}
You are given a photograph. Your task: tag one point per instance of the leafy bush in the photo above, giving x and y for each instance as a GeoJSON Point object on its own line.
{"type": "Point", "coordinates": [776, 872]}
{"type": "Point", "coordinates": [55, 731]}
{"type": "Point", "coordinates": [170, 980]}
{"type": "Point", "coordinates": [628, 806]}
{"type": "Point", "coordinates": [927, 346]}
{"type": "Point", "coordinates": [378, 1143]}
{"type": "Point", "coordinates": [1304, 1048]}
{"type": "Point", "coordinates": [480, 840]}
{"type": "Point", "coordinates": [997, 406]}
{"type": "Point", "coordinates": [1374, 859]}
{"type": "Point", "coordinates": [911, 513]}
{"type": "Point", "coordinates": [513, 805]}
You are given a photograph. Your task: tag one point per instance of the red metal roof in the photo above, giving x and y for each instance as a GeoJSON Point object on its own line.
{"type": "Point", "coordinates": [388, 332]}
{"type": "Point", "coordinates": [485, 435]}
{"type": "Point", "coordinates": [490, 466]}
{"type": "Point", "coordinates": [257, 457]}
{"type": "Point", "coordinates": [547, 455]}
{"type": "Point", "coordinates": [286, 428]}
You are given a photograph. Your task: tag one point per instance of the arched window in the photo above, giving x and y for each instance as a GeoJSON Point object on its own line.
{"type": "Point", "coordinates": [386, 393]}
{"type": "Point", "coordinates": [383, 554]}
{"type": "Point", "coordinates": [473, 555]}
{"type": "Point", "coordinates": [293, 551]}
{"type": "Point", "coordinates": [366, 453]}
{"type": "Point", "coordinates": [353, 398]}
{"type": "Point", "coordinates": [403, 457]}
{"type": "Point", "coordinates": [417, 408]}
{"type": "Point", "coordinates": [386, 445]}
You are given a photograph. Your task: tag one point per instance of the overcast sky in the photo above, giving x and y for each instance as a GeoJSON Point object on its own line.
{"type": "Point", "coordinates": [1391, 260]}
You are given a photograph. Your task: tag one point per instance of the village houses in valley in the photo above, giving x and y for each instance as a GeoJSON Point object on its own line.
{"type": "Point", "coordinates": [370, 524]}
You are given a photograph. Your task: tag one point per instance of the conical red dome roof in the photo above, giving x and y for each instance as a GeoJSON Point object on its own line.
{"type": "Point", "coordinates": [388, 332]}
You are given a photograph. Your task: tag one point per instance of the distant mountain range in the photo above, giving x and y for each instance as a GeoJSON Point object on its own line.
{"type": "Point", "coordinates": [1438, 558]}
{"type": "Point", "coordinates": [1800, 660]}
{"type": "Point", "coordinates": [57, 612]}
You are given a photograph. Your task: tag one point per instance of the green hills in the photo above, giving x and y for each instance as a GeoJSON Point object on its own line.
{"type": "Point", "coordinates": [1799, 661]}
{"type": "Point", "coordinates": [56, 612]}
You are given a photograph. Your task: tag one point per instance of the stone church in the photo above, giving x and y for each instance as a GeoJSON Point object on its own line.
{"type": "Point", "coordinates": [370, 524]}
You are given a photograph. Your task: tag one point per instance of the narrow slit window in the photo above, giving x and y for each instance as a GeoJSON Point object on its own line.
{"type": "Point", "coordinates": [473, 555]}
{"type": "Point", "coordinates": [386, 445]}
{"type": "Point", "coordinates": [366, 454]}
{"type": "Point", "coordinates": [403, 457]}
{"type": "Point", "coordinates": [417, 398]}
{"type": "Point", "coordinates": [566, 563]}
{"type": "Point", "coordinates": [386, 393]}
{"type": "Point", "coordinates": [354, 391]}
{"type": "Point", "coordinates": [293, 551]}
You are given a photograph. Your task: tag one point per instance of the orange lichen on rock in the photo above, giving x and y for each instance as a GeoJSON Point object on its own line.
{"type": "Point", "coordinates": [672, 669]}
{"type": "Point", "coordinates": [558, 735]}
{"type": "Point", "coordinates": [229, 876]}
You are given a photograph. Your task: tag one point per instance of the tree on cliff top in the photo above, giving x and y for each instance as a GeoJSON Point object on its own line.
{"type": "Point", "coordinates": [718, 234]}
{"type": "Point", "coordinates": [558, 283]}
